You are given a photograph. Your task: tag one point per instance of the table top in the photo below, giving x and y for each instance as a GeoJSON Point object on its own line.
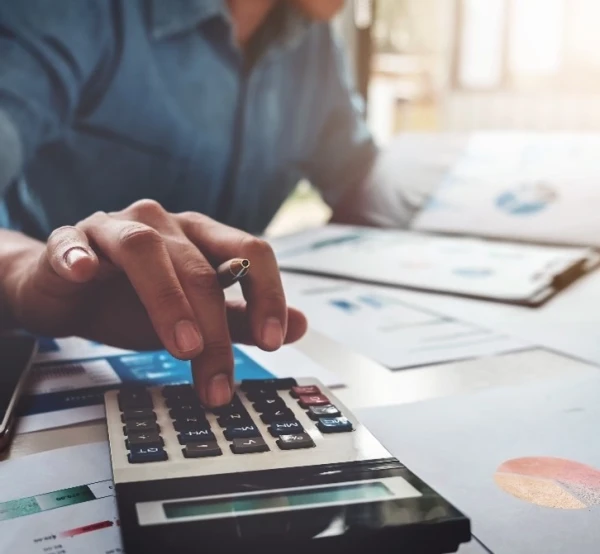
{"type": "Point", "coordinates": [368, 384]}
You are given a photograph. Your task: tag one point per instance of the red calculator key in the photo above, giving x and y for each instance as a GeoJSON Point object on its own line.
{"type": "Point", "coordinates": [305, 391]}
{"type": "Point", "coordinates": [313, 400]}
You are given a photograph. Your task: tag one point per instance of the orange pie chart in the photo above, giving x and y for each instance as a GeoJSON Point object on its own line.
{"type": "Point", "coordinates": [550, 482]}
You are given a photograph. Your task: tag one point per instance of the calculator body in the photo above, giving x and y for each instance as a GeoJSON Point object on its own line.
{"type": "Point", "coordinates": [213, 481]}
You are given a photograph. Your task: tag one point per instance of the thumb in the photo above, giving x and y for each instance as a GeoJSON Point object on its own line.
{"type": "Point", "coordinates": [70, 256]}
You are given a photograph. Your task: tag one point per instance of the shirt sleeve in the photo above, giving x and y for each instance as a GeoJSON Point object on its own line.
{"type": "Point", "coordinates": [344, 151]}
{"type": "Point", "coordinates": [50, 52]}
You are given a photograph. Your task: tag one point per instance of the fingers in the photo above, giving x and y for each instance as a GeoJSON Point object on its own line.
{"type": "Point", "coordinates": [140, 252]}
{"type": "Point", "coordinates": [262, 287]}
{"type": "Point", "coordinates": [241, 330]}
{"type": "Point", "coordinates": [213, 368]}
{"type": "Point", "coordinates": [70, 255]}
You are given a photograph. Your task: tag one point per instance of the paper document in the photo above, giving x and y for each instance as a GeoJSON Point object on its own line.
{"type": "Point", "coordinates": [60, 502]}
{"type": "Point", "coordinates": [464, 266]}
{"type": "Point", "coordinates": [536, 187]}
{"type": "Point", "coordinates": [65, 389]}
{"type": "Point", "coordinates": [570, 323]}
{"type": "Point", "coordinates": [522, 462]}
{"type": "Point", "coordinates": [380, 324]}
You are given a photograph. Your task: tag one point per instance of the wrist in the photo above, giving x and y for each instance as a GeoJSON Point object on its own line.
{"type": "Point", "coordinates": [16, 263]}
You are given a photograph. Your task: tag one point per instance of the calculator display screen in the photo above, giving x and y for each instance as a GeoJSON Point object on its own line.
{"type": "Point", "coordinates": [340, 494]}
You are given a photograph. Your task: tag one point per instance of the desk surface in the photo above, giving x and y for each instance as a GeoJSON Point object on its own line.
{"type": "Point", "coordinates": [368, 385]}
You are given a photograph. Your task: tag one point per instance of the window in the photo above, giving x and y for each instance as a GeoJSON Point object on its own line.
{"type": "Point", "coordinates": [528, 45]}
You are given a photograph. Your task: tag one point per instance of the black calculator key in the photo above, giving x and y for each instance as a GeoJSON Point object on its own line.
{"type": "Point", "coordinates": [235, 419]}
{"type": "Point", "coordinates": [133, 391]}
{"type": "Point", "coordinates": [260, 395]}
{"type": "Point", "coordinates": [134, 400]}
{"type": "Point", "coordinates": [269, 405]}
{"type": "Point", "coordinates": [188, 423]}
{"type": "Point", "coordinates": [142, 413]}
{"type": "Point", "coordinates": [180, 392]}
{"type": "Point", "coordinates": [286, 428]}
{"type": "Point", "coordinates": [277, 384]}
{"type": "Point", "coordinates": [278, 415]}
{"type": "Point", "coordinates": [144, 454]}
{"type": "Point", "coordinates": [248, 446]}
{"type": "Point", "coordinates": [143, 439]}
{"type": "Point", "coordinates": [234, 406]}
{"type": "Point", "coordinates": [186, 410]}
{"type": "Point", "coordinates": [189, 407]}
{"type": "Point", "coordinates": [334, 425]}
{"type": "Point", "coordinates": [196, 435]}
{"type": "Point", "coordinates": [317, 412]}
{"type": "Point", "coordinates": [177, 403]}
{"type": "Point", "coordinates": [202, 450]}
{"type": "Point", "coordinates": [173, 391]}
{"type": "Point", "coordinates": [291, 442]}
{"type": "Point", "coordinates": [138, 425]}
{"type": "Point", "coordinates": [241, 432]}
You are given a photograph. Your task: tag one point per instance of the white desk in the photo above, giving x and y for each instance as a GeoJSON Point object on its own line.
{"type": "Point", "coordinates": [368, 385]}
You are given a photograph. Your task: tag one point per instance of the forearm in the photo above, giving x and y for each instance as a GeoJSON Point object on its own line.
{"type": "Point", "coordinates": [14, 247]}
{"type": "Point", "coordinates": [401, 181]}
{"type": "Point", "coordinates": [379, 200]}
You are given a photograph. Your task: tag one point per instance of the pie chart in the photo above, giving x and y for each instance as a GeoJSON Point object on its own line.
{"type": "Point", "coordinates": [527, 199]}
{"type": "Point", "coordinates": [550, 482]}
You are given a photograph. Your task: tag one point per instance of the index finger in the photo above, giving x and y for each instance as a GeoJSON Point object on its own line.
{"type": "Point", "coordinates": [262, 287]}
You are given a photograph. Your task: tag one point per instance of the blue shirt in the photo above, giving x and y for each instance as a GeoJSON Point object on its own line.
{"type": "Point", "coordinates": [103, 103]}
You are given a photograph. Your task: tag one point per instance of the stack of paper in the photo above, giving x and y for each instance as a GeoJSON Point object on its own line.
{"type": "Point", "coordinates": [61, 501]}
{"type": "Point", "coordinates": [515, 273]}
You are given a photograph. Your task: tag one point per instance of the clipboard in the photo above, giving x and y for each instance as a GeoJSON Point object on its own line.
{"type": "Point", "coordinates": [483, 269]}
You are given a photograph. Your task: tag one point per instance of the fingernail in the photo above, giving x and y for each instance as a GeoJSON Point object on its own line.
{"type": "Point", "coordinates": [187, 336]}
{"type": "Point", "coordinates": [74, 255]}
{"type": "Point", "coordinates": [219, 390]}
{"type": "Point", "coordinates": [272, 334]}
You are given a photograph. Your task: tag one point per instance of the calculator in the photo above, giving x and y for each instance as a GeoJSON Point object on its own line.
{"type": "Point", "coordinates": [285, 468]}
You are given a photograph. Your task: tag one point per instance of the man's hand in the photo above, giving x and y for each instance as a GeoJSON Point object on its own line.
{"type": "Point", "coordinates": [144, 278]}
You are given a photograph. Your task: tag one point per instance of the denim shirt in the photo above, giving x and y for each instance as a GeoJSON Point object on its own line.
{"type": "Point", "coordinates": [103, 103]}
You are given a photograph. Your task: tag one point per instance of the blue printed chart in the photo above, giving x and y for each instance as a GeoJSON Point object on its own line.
{"type": "Point", "coordinates": [71, 375]}
{"type": "Point", "coordinates": [388, 326]}
{"type": "Point", "coordinates": [538, 187]}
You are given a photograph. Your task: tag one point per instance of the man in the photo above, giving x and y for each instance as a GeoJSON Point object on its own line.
{"type": "Point", "coordinates": [143, 142]}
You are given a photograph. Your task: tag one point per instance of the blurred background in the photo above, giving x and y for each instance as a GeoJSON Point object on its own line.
{"type": "Point", "coordinates": [463, 66]}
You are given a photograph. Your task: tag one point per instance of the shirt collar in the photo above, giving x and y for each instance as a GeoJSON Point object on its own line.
{"type": "Point", "coordinates": [170, 17]}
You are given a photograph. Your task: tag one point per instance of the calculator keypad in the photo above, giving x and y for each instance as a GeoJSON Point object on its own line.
{"type": "Point", "coordinates": [264, 415]}
{"type": "Point", "coordinates": [327, 416]}
{"type": "Point", "coordinates": [142, 433]}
